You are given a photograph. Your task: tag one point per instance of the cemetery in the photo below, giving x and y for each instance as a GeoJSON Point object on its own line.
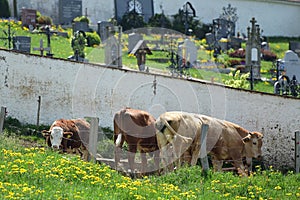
{"type": "Point", "coordinates": [74, 70]}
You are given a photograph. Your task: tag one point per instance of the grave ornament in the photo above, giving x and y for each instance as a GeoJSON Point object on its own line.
{"type": "Point", "coordinates": [78, 45]}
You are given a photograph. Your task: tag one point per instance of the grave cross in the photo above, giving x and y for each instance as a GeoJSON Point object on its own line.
{"type": "Point", "coordinates": [9, 35]}
{"type": "Point", "coordinates": [48, 34]}
{"type": "Point", "coordinates": [41, 48]}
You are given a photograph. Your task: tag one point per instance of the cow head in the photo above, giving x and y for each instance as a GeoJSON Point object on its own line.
{"type": "Point", "coordinates": [55, 137]}
{"type": "Point", "coordinates": [253, 144]}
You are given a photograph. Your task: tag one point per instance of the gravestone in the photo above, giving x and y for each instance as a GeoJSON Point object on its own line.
{"type": "Point", "coordinates": [292, 64]}
{"type": "Point", "coordinates": [113, 50]}
{"type": "Point", "coordinates": [210, 40]}
{"type": "Point", "coordinates": [68, 10]}
{"type": "Point", "coordinates": [295, 46]}
{"type": "Point", "coordinates": [188, 51]}
{"type": "Point", "coordinates": [105, 30]}
{"type": "Point", "coordinates": [133, 39]}
{"type": "Point", "coordinates": [223, 28]}
{"type": "Point", "coordinates": [144, 8]}
{"type": "Point", "coordinates": [22, 43]}
{"type": "Point", "coordinates": [253, 49]}
{"type": "Point", "coordinates": [235, 43]}
{"type": "Point", "coordinates": [28, 17]}
{"type": "Point", "coordinates": [81, 26]}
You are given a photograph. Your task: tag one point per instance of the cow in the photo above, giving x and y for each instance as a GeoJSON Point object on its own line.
{"type": "Point", "coordinates": [68, 135]}
{"type": "Point", "coordinates": [225, 140]}
{"type": "Point", "coordinates": [136, 128]}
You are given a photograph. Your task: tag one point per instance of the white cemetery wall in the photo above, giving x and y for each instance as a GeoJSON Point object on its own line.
{"type": "Point", "coordinates": [73, 90]}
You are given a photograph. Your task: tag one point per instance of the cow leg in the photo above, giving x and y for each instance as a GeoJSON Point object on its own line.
{"type": "Point", "coordinates": [144, 161]}
{"type": "Point", "coordinates": [238, 163]}
{"type": "Point", "coordinates": [156, 159]}
{"type": "Point", "coordinates": [131, 155]}
{"type": "Point", "coordinates": [217, 164]}
{"type": "Point", "coordinates": [119, 140]}
{"type": "Point", "coordinates": [249, 164]}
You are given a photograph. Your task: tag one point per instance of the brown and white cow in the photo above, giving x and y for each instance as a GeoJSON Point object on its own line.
{"type": "Point", "coordinates": [68, 135]}
{"type": "Point", "coordinates": [136, 128]}
{"type": "Point", "coordinates": [225, 140]}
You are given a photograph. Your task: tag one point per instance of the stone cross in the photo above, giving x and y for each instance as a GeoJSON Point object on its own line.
{"type": "Point", "coordinates": [41, 48]}
{"type": "Point", "coordinates": [253, 49]}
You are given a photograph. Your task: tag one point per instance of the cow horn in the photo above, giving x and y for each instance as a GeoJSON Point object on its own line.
{"type": "Point", "coordinates": [46, 133]}
{"type": "Point", "coordinates": [186, 139]}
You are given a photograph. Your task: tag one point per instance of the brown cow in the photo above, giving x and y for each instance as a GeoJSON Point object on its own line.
{"type": "Point", "coordinates": [136, 127]}
{"type": "Point", "coordinates": [225, 140]}
{"type": "Point", "coordinates": [68, 135]}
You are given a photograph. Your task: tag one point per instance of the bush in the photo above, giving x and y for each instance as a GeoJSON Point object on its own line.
{"type": "Point", "coordinates": [267, 55]}
{"type": "Point", "coordinates": [82, 19]}
{"type": "Point", "coordinates": [44, 20]}
{"type": "Point", "coordinates": [92, 39]}
{"type": "Point", "coordinates": [240, 53]}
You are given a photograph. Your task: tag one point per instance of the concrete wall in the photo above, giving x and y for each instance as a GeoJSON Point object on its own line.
{"type": "Point", "coordinates": [275, 17]}
{"type": "Point", "coordinates": [72, 90]}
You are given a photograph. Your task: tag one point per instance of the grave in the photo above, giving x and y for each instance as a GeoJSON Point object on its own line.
{"type": "Point", "coordinates": [113, 50]}
{"type": "Point", "coordinates": [68, 10]}
{"type": "Point", "coordinates": [292, 64]}
{"type": "Point", "coordinates": [295, 46]}
{"type": "Point", "coordinates": [105, 30]}
{"type": "Point", "coordinates": [188, 51]}
{"type": "Point", "coordinates": [142, 7]}
{"type": "Point", "coordinates": [253, 50]}
{"type": "Point", "coordinates": [223, 28]}
{"type": "Point", "coordinates": [41, 48]}
{"type": "Point", "coordinates": [80, 26]}
{"type": "Point", "coordinates": [28, 17]}
{"type": "Point", "coordinates": [133, 39]}
{"type": "Point", "coordinates": [22, 43]}
{"type": "Point", "coordinates": [140, 50]}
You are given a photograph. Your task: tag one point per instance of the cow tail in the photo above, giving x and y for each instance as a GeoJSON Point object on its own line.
{"type": "Point", "coordinates": [119, 140]}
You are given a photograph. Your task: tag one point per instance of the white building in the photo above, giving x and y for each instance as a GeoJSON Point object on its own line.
{"type": "Point", "coordinates": [275, 17]}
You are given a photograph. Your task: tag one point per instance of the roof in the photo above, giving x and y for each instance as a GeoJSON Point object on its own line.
{"type": "Point", "coordinates": [141, 45]}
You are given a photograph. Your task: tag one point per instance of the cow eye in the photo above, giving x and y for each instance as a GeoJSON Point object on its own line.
{"type": "Point", "coordinates": [254, 143]}
{"type": "Point", "coordinates": [51, 137]}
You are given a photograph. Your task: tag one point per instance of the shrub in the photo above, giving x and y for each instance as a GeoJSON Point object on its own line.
{"type": "Point", "coordinates": [82, 19]}
{"type": "Point", "coordinates": [44, 20]}
{"type": "Point", "coordinates": [92, 39]}
{"type": "Point", "coordinates": [240, 53]}
{"type": "Point", "coordinates": [267, 55]}
{"type": "Point", "coordinates": [238, 80]}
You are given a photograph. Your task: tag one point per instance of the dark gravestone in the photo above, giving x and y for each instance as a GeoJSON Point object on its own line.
{"type": "Point", "coordinates": [22, 43]}
{"type": "Point", "coordinates": [223, 28]}
{"type": "Point", "coordinates": [68, 10]}
{"type": "Point", "coordinates": [144, 8]}
{"type": "Point", "coordinates": [28, 17]}
{"type": "Point", "coordinates": [105, 30]}
{"type": "Point", "coordinates": [295, 47]}
{"type": "Point", "coordinates": [235, 43]}
{"type": "Point", "coordinates": [80, 26]}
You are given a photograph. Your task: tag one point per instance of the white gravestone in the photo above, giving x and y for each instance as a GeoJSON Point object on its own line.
{"type": "Point", "coordinates": [292, 64]}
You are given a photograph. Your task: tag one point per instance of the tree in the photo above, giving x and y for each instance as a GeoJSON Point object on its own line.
{"type": "Point", "coordinates": [132, 20]}
{"type": "Point", "coordinates": [160, 20]}
{"type": "Point", "coordinates": [4, 9]}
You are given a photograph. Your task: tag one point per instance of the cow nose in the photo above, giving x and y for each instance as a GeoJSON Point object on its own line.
{"type": "Point", "coordinates": [55, 147]}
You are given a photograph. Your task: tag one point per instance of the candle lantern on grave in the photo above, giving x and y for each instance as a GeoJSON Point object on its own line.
{"type": "Point", "coordinates": [253, 51]}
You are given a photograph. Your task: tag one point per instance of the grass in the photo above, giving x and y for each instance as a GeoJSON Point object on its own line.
{"type": "Point", "coordinates": [61, 48]}
{"type": "Point", "coordinates": [39, 173]}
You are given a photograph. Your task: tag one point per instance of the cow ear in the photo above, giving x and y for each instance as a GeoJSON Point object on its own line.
{"type": "Point", "coordinates": [68, 134]}
{"type": "Point", "coordinates": [246, 139]}
{"type": "Point", "coordinates": [46, 133]}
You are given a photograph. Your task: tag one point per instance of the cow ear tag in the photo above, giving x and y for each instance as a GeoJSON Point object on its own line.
{"type": "Point", "coordinates": [69, 136]}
